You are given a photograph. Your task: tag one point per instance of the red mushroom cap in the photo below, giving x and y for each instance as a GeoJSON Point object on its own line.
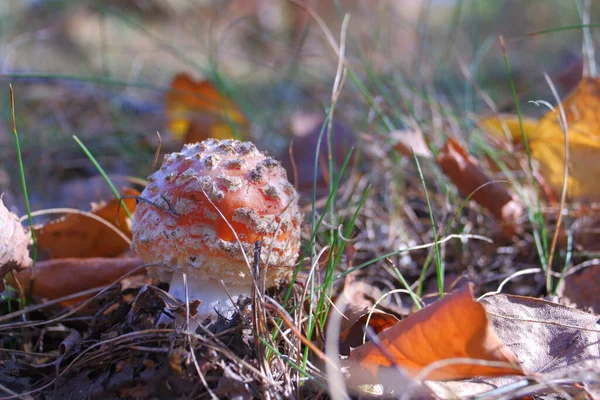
{"type": "Point", "coordinates": [254, 199]}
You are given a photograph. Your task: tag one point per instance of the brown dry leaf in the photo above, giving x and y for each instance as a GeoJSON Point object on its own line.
{"type": "Point", "coordinates": [466, 174]}
{"type": "Point", "coordinates": [550, 339]}
{"type": "Point", "coordinates": [581, 289]}
{"type": "Point", "coordinates": [548, 147]}
{"type": "Point", "coordinates": [198, 111]}
{"type": "Point", "coordinates": [453, 327]}
{"type": "Point", "coordinates": [63, 277]}
{"type": "Point", "coordinates": [547, 336]}
{"type": "Point", "coordinates": [80, 236]}
{"type": "Point", "coordinates": [357, 312]}
{"type": "Point", "coordinates": [408, 141]}
{"type": "Point", "coordinates": [13, 244]}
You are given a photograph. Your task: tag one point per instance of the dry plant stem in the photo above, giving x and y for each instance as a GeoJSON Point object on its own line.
{"type": "Point", "coordinates": [48, 303]}
{"type": "Point", "coordinates": [298, 334]}
{"type": "Point", "coordinates": [425, 372]}
{"type": "Point", "coordinates": [383, 296]}
{"type": "Point", "coordinates": [293, 161]}
{"type": "Point", "coordinates": [335, 380]}
{"type": "Point", "coordinates": [195, 361]}
{"type": "Point", "coordinates": [135, 338]}
{"type": "Point", "coordinates": [527, 271]}
{"type": "Point", "coordinates": [259, 316]}
{"type": "Point", "coordinates": [419, 247]}
{"type": "Point", "coordinates": [508, 279]}
{"type": "Point", "coordinates": [313, 268]}
{"type": "Point", "coordinates": [562, 119]}
{"type": "Point", "coordinates": [136, 181]}
{"type": "Point", "coordinates": [537, 321]}
{"type": "Point", "coordinates": [21, 291]}
{"type": "Point", "coordinates": [322, 24]}
{"type": "Point", "coordinates": [157, 153]}
{"type": "Point", "coordinates": [14, 394]}
{"type": "Point", "coordinates": [589, 60]}
{"type": "Point", "coordinates": [340, 77]}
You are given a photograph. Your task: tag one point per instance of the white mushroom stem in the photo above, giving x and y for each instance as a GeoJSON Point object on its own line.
{"type": "Point", "coordinates": [213, 296]}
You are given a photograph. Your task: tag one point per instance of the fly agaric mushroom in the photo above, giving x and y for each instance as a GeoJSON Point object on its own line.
{"type": "Point", "coordinates": [204, 206]}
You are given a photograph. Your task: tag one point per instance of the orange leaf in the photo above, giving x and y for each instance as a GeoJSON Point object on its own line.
{"type": "Point", "coordinates": [77, 235]}
{"type": "Point", "coordinates": [360, 304]}
{"type": "Point", "coordinates": [454, 327]}
{"type": "Point", "coordinates": [198, 111]}
{"type": "Point", "coordinates": [62, 277]}
{"type": "Point", "coordinates": [547, 144]}
{"type": "Point", "coordinates": [351, 333]}
{"type": "Point", "coordinates": [466, 174]}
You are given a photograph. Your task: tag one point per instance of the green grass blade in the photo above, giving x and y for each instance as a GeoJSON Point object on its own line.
{"type": "Point", "coordinates": [22, 175]}
{"type": "Point", "coordinates": [104, 175]}
{"type": "Point", "coordinates": [439, 265]}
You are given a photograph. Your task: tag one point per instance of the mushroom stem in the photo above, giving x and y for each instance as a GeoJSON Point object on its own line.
{"type": "Point", "coordinates": [213, 296]}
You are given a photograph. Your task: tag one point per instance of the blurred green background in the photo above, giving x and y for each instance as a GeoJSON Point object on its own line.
{"type": "Point", "coordinates": [99, 69]}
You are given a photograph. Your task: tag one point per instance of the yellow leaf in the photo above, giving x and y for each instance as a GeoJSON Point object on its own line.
{"type": "Point", "coordinates": [506, 126]}
{"type": "Point", "coordinates": [548, 147]}
{"type": "Point", "coordinates": [198, 111]}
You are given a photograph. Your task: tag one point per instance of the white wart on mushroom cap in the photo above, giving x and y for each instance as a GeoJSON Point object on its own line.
{"type": "Point", "coordinates": [249, 189]}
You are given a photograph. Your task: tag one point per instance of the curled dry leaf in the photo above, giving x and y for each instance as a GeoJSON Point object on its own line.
{"type": "Point", "coordinates": [454, 327]}
{"type": "Point", "coordinates": [58, 278]}
{"type": "Point", "coordinates": [470, 179]}
{"type": "Point", "coordinates": [13, 244]}
{"type": "Point", "coordinates": [357, 312]}
{"type": "Point", "coordinates": [198, 111]}
{"type": "Point", "coordinates": [80, 236]}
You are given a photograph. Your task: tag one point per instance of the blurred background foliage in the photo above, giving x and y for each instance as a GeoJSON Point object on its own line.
{"type": "Point", "coordinates": [99, 69]}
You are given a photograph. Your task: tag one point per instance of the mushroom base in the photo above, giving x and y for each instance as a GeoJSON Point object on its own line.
{"type": "Point", "coordinates": [214, 297]}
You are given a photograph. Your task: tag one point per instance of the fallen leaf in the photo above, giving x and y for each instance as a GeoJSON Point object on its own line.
{"type": "Point", "coordinates": [547, 336]}
{"type": "Point", "coordinates": [359, 305]}
{"type": "Point", "coordinates": [198, 111]}
{"type": "Point", "coordinates": [581, 289]}
{"type": "Point", "coordinates": [80, 236]}
{"type": "Point", "coordinates": [13, 244]}
{"type": "Point", "coordinates": [454, 327]}
{"type": "Point", "coordinates": [470, 179]}
{"type": "Point", "coordinates": [62, 277]}
{"type": "Point", "coordinates": [507, 127]}
{"type": "Point", "coordinates": [408, 141]}
{"type": "Point", "coordinates": [550, 339]}
{"type": "Point", "coordinates": [548, 147]}
{"type": "Point", "coordinates": [547, 144]}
